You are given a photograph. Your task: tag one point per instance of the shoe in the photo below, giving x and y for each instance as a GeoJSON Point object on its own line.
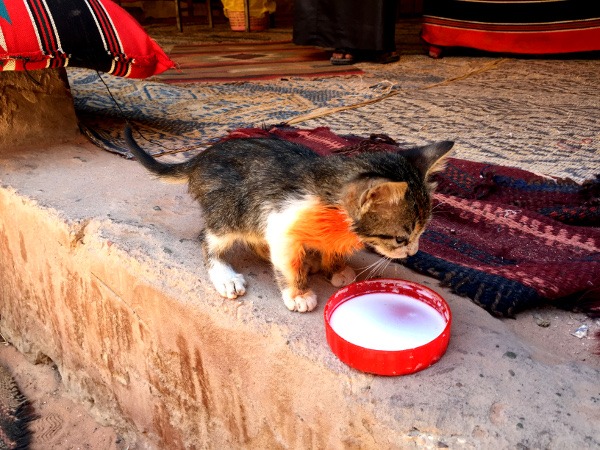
{"type": "Point", "coordinates": [386, 58]}
{"type": "Point", "coordinates": [345, 61]}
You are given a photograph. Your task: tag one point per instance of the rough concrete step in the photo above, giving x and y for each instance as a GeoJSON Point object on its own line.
{"type": "Point", "coordinates": [113, 291]}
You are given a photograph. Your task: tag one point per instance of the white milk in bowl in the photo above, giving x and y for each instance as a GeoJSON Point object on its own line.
{"type": "Point", "coordinates": [384, 321]}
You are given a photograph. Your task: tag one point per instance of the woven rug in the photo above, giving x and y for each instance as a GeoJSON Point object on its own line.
{"type": "Point", "coordinates": [15, 415]}
{"type": "Point", "coordinates": [538, 115]}
{"type": "Point", "coordinates": [250, 61]}
{"type": "Point", "coordinates": [506, 238]}
{"type": "Point", "coordinates": [172, 117]}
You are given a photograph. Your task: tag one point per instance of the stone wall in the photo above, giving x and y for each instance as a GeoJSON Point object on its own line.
{"type": "Point", "coordinates": [36, 107]}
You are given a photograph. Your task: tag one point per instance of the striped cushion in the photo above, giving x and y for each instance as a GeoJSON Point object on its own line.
{"type": "Point", "coordinates": [96, 34]}
{"type": "Point", "coordinates": [514, 26]}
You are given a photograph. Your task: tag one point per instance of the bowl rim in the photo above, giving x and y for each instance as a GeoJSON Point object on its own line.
{"type": "Point", "coordinates": [388, 362]}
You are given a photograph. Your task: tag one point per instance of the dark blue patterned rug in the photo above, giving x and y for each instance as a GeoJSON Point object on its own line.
{"type": "Point", "coordinates": [175, 117]}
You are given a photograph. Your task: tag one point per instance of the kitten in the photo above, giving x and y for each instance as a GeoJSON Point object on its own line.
{"type": "Point", "coordinates": [301, 211]}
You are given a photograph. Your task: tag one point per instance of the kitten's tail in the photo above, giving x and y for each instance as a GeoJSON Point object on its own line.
{"type": "Point", "coordinates": [171, 173]}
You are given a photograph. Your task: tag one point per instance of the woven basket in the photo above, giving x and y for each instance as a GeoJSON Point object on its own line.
{"type": "Point", "coordinates": [238, 22]}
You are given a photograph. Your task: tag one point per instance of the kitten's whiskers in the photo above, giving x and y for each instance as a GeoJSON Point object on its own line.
{"type": "Point", "coordinates": [364, 269]}
{"type": "Point", "coordinates": [388, 262]}
{"type": "Point", "coordinates": [437, 205]}
{"type": "Point", "coordinates": [379, 267]}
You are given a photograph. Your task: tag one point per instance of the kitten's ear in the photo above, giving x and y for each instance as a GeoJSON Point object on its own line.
{"type": "Point", "coordinates": [429, 158]}
{"type": "Point", "coordinates": [390, 192]}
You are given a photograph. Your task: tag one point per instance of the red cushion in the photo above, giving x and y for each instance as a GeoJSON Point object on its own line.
{"type": "Point", "coordinates": [97, 34]}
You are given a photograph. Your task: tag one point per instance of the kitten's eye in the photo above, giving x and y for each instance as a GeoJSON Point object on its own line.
{"type": "Point", "coordinates": [401, 241]}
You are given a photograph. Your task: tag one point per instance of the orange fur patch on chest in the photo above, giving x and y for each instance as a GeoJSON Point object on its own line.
{"type": "Point", "coordinates": [325, 228]}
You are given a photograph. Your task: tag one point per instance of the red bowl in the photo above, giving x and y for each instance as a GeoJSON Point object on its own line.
{"type": "Point", "coordinates": [388, 362]}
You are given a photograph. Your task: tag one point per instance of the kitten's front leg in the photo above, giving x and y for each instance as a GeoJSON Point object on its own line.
{"type": "Point", "coordinates": [299, 300]}
{"type": "Point", "coordinates": [344, 277]}
{"type": "Point", "coordinates": [226, 281]}
{"type": "Point", "coordinates": [336, 271]}
{"type": "Point", "coordinates": [291, 274]}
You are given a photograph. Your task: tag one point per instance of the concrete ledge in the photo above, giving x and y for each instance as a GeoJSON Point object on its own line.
{"type": "Point", "coordinates": [112, 289]}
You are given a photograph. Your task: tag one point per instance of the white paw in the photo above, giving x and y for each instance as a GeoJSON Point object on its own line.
{"type": "Point", "coordinates": [227, 282]}
{"type": "Point", "coordinates": [343, 278]}
{"type": "Point", "coordinates": [301, 303]}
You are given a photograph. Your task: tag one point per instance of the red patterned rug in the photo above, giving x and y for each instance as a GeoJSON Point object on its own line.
{"type": "Point", "coordinates": [250, 61]}
{"type": "Point", "coordinates": [506, 238]}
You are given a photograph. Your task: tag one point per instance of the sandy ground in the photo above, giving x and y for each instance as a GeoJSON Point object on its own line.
{"type": "Point", "coordinates": [61, 424]}
{"type": "Point", "coordinates": [551, 333]}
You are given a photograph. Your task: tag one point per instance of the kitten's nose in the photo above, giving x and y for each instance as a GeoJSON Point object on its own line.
{"type": "Point", "coordinates": [413, 248]}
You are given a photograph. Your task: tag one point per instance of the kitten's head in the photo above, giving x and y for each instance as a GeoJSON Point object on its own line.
{"type": "Point", "coordinates": [392, 215]}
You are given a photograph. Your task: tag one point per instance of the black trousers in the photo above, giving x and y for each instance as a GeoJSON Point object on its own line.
{"type": "Point", "coordinates": [367, 25]}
